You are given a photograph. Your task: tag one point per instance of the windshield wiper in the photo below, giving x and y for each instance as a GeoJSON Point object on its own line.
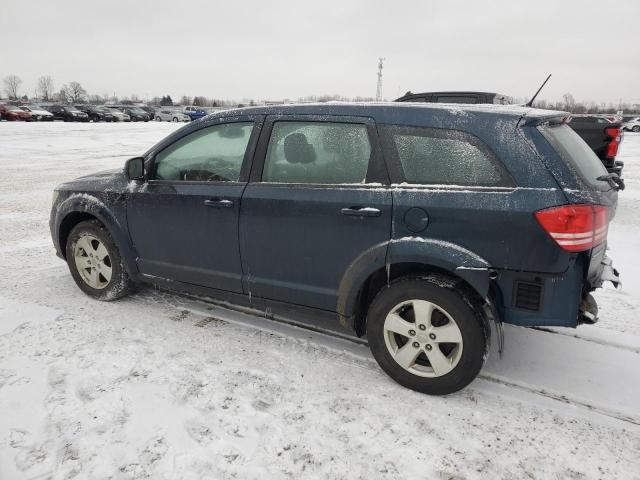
{"type": "Point", "coordinates": [614, 180]}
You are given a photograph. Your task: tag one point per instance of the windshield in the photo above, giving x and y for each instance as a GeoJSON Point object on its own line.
{"type": "Point", "coordinates": [577, 153]}
{"type": "Point", "coordinates": [72, 109]}
{"type": "Point", "coordinates": [138, 111]}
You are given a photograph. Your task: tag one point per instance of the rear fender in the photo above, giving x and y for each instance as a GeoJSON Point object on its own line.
{"type": "Point", "coordinates": [435, 253]}
{"type": "Point", "coordinates": [448, 256]}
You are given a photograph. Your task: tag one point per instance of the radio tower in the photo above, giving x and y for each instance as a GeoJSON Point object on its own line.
{"type": "Point", "coordinates": [379, 89]}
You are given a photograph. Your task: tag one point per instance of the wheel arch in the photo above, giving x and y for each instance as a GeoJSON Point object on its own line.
{"type": "Point", "coordinates": [83, 207]}
{"type": "Point", "coordinates": [384, 263]}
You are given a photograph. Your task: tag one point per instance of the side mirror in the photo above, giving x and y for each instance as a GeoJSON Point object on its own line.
{"type": "Point", "coordinates": [134, 169]}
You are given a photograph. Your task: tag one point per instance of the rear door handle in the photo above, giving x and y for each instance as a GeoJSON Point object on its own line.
{"type": "Point", "coordinates": [361, 212]}
{"type": "Point", "coordinates": [219, 203]}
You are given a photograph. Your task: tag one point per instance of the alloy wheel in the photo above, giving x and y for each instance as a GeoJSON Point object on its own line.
{"type": "Point", "coordinates": [423, 338]}
{"type": "Point", "coordinates": [93, 261]}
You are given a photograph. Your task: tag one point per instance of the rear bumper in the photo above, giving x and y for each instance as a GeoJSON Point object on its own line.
{"type": "Point", "coordinates": [607, 274]}
{"type": "Point", "coordinates": [564, 300]}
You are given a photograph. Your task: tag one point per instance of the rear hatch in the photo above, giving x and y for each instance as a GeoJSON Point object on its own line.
{"type": "Point", "coordinates": [591, 187]}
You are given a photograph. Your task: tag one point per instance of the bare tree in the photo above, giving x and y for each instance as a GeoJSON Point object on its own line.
{"type": "Point", "coordinates": [569, 102]}
{"type": "Point", "coordinates": [73, 93]}
{"type": "Point", "coordinates": [11, 85]}
{"type": "Point", "coordinates": [45, 87]}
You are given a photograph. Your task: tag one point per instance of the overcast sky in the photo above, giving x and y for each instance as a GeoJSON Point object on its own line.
{"type": "Point", "coordinates": [287, 49]}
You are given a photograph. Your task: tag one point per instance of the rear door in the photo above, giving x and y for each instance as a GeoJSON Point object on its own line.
{"type": "Point", "coordinates": [316, 201]}
{"type": "Point", "coordinates": [184, 221]}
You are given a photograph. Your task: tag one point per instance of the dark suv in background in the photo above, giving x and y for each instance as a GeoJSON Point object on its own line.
{"type": "Point", "coordinates": [603, 135]}
{"type": "Point", "coordinates": [416, 226]}
{"type": "Point", "coordinates": [96, 114]}
{"type": "Point", "coordinates": [67, 113]}
{"type": "Point", "coordinates": [457, 97]}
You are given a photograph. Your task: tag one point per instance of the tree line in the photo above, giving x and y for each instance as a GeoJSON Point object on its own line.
{"type": "Point", "coordinates": [73, 92]}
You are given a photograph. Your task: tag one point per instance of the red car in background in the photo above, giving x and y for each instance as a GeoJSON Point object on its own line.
{"type": "Point", "coordinates": [13, 113]}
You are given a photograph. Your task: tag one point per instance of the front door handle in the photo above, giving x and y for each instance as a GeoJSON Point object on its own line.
{"type": "Point", "coordinates": [219, 203]}
{"type": "Point", "coordinates": [361, 212]}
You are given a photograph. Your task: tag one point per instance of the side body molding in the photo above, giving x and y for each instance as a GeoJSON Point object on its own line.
{"type": "Point", "coordinates": [107, 211]}
{"type": "Point", "coordinates": [447, 256]}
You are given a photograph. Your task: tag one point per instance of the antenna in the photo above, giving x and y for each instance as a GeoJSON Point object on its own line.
{"type": "Point", "coordinates": [530, 102]}
{"type": "Point", "coordinates": [379, 89]}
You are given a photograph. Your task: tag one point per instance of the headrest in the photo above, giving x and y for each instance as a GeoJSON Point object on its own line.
{"type": "Point", "coordinates": [297, 149]}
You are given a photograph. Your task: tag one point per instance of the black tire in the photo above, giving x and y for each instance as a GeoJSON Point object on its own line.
{"type": "Point", "coordinates": [158, 119]}
{"type": "Point", "coordinates": [119, 283]}
{"type": "Point", "coordinates": [636, 129]}
{"type": "Point", "coordinates": [441, 292]}
{"type": "Point", "coordinates": [175, 119]}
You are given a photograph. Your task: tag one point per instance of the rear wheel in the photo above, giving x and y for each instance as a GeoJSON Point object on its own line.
{"type": "Point", "coordinates": [95, 262]}
{"type": "Point", "coordinates": [158, 119]}
{"type": "Point", "coordinates": [424, 334]}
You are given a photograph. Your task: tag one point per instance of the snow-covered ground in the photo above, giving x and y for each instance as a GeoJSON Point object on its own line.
{"type": "Point", "coordinates": [159, 386]}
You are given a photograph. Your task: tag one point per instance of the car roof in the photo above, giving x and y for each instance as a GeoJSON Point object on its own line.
{"type": "Point", "coordinates": [409, 113]}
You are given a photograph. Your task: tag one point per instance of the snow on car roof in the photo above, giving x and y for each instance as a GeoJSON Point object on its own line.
{"type": "Point", "coordinates": [380, 110]}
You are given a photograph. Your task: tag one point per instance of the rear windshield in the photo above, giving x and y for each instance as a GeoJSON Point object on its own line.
{"type": "Point", "coordinates": [577, 154]}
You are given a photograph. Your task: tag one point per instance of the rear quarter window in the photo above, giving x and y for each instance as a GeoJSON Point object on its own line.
{"type": "Point", "coordinates": [577, 154]}
{"type": "Point", "coordinates": [430, 156]}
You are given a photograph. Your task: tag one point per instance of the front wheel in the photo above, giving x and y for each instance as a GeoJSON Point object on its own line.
{"type": "Point", "coordinates": [175, 119]}
{"type": "Point", "coordinates": [425, 335]}
{"type": "Point", "coordinates": [636, 128]}
{"type": "Point", "coordinates": [158, 119]}
{"type": "Point", "coordinates": [95, 262]}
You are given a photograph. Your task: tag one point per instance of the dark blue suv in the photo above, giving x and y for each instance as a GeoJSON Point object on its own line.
{"type": "Point", "coordinates": [415, 225]}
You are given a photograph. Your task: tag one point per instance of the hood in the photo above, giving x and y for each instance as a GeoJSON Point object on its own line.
{"type": "Point", "coordinates": [112, 180]}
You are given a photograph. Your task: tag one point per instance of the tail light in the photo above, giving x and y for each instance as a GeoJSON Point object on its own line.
{"type": "Point", "coordinates": [616, 137]}
{"type": "Point", "coordinates": [575, 228]}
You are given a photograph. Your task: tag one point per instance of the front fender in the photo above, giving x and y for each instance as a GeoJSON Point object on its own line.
{"type": "Point", "coordinates": [97, 207]}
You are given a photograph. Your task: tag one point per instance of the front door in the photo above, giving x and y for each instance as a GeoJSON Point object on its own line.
{"type": "Point", "coordinates": [184, 221]}
{"type": "Point", "coordinates": [315, 203]}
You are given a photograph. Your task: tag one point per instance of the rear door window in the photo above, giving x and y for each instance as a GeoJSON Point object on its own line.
{"type": "Point", "coordinates": [317, 153]}
{"type": "Point", "coordinates": [429, 156]}
{"type": "Point", "coordinates": [577, 154]}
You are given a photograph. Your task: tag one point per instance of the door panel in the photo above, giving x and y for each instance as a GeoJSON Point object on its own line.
{"type": "Point", "coordinates": [297, 243]}
{"type": "Point", "coordinates": [184, 221]}
{"type": "Point", "coordinates": [178, 236]}
{"type": "Point", "coordinates": [298, 239]}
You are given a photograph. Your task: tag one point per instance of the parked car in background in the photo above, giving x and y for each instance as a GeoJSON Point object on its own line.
{"type": "Point", "coordinates": [67, 113]}
{"type": "Point", "coordinates": [456, 97]}
{"type": "Point", "coordinates": [38, 114]}
{"type": "Point", "coordinates": [136, 114]}
{"type": "Point", "coordinates": [116, 115]}
{"type": "Point", "coordinates": [12, 113]}
{"type": "Point", "coordinates": [194, 112]}
{"type": "Point", "coordinates": [96, 114]}
{"type": "Point", "coordinates": [603, 136]}
{"type": "Point", "coordinates": [150, 111]}
{"type": "Point", "coordinates": [632, 124]}
{"type": "Point", "coordinates": [168, 115]}
{"type": "Point", "coordinates": [246, 206]}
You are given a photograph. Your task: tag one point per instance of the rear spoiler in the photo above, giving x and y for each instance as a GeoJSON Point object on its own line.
{"type": "Point", "coordinates": [535, 117]}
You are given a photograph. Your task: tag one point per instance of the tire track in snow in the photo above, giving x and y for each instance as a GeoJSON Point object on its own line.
{"type": "Point", "coordinates": [356, 353]}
